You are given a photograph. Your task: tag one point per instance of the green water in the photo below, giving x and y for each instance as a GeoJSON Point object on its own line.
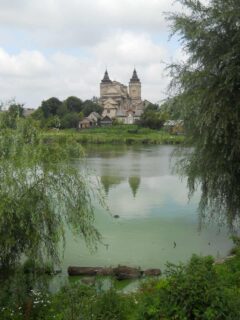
{"type": "Point", "coordinates": [153, 209]}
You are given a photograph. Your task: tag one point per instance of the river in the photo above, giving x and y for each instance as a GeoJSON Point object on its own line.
{"type": "Point", "coordinates": [156, 223]}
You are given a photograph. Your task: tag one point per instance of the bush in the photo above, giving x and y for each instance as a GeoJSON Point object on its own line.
{"type": "Point", "coordinates": [70, 120]}
{"type": "Point", "coordinates": [195, 291]}
{"type": "Point", "coordinates": [77, 302]}
{"type": "Point", "coordinates": [153, 119]}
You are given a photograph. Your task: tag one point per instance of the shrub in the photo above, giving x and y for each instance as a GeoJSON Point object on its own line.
{"type": "Point", "coordinates": [195, 291]}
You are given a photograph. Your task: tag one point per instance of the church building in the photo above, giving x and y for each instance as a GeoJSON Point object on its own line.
{"type": "Point", "coordinates": [121, 102]}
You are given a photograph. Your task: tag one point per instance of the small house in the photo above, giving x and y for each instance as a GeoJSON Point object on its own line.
{"type": "Point", "coordinates": [95, 117]}
{"type": "Point", "coordinates": [85, 124]}
{"type": "Point", "coordinates": [106, 121]}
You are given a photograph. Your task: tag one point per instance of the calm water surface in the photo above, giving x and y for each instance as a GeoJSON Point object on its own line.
{"type": "Point", "coordinates": [153, 209]}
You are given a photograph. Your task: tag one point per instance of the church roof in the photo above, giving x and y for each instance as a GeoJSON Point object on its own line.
{"type": "Point", "coordinates": [106, 119]}
{"type": "Point", "coordinates": [106, 78]}
{"type": "Point", "coordinates": [134, 77]}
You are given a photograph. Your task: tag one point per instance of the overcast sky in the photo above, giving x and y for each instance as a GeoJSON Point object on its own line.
{"type": "Point", "coordinates": [62, 47]}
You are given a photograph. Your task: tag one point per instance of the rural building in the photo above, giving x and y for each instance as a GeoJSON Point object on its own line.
{"type": "Point", "coordinates": [106, 121]}
{"type": "Point", "coordinates": [93, 120]}
{"type": "Point", "coordinates": [95, 117]}
{"type": "Point", "coordinates": [86, 123]}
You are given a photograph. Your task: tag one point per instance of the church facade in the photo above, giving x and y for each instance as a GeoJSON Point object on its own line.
{"type": "Point", "coordinates": [121, 102]}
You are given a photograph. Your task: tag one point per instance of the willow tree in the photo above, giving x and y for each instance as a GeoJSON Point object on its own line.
{"type": "Point", "coordinates": [41, 191]}
{"type": "Point", "coordinates": [207, 87]}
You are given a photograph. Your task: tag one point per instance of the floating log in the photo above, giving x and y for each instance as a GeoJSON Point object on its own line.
{"type": "Point", "coordinates": [120, 272]}
{"type": "Point", "coordinates": [152, 272]}
{"type": "Point", "coordinates": [124, 272]}
{"type": "Point", "coordinates": [105, 272]}
{"type": "Point", "coordinates": [89, 271]}
{"type": "Point", "coordinates": [83, 271]}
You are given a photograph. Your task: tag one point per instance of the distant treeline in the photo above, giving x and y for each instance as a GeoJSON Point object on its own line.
{"type": "Point", "coordinates": [54, 113]}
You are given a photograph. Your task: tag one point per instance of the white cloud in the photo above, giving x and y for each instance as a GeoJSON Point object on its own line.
{"type": "Point", "coordinates": [31, 76]}
{"type": "Point", "coordinates": [24, 64]}
{"type": "Point", "coordinates": [165, 193]}
{"type": "Point", "coordinates": [126, 47]}
{"type": "Point", "coordinates": [63, 21]}
{"type": "Point", "coordinates": [61, 48]}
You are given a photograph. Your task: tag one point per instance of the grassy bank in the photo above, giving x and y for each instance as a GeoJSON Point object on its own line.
{"type": "Point", "coordinates": [121, 134]}
{"type": "Point", "coordinates": [197, 290]}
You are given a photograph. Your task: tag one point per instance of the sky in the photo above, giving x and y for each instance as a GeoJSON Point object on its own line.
{"type": "Point", "coordinates": [60, 48]}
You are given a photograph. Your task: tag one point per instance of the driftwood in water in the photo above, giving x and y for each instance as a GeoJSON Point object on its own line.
{"type": "Point", "coordinates": [124, 272]}
{"type": "Point", "coordinates": [152, 272]}
{"type": "Point", "coordinates": [120, 272]}
{"type": "Point", "coordinates": [89, 271]}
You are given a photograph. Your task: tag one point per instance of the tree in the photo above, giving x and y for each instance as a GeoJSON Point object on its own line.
{"type": "Point", "coordinates": [40, 193]}
{"type": "Point", "coordinates": [208, 89]}
{"type": "Point", "coordinates": [9, 117]}
{"type": "Point", "coordinates": [90, 106]}
{"type": "Point", "coordinates": [153, 118]}
{"type": "Point", "coordinates": [50, 107]}
{"type": "Point", "coordinates": [70, 120]}
{"type": "Point", "coordinates": [73, 104]}
{"type": "Point", "coordinates": [152, 107]}
{"type": "Point", "coordinates": [172, 108]}
{"type": "Point", "coordinates": [53, 122]}
{"type": "Point", "coordinates": [16, 110]}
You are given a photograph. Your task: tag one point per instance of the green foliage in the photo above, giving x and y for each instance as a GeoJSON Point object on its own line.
{"type": "Point", "coordinates": [53, 122]}
{"type": "Point", "coordinates": [9, 118]}
{"type": "Point", "coordinates": [24, 296]}
{"type": "Point", "coordinates": [66, 114]}
{"type": "Point", "coordinates": [76, 302]}
{"type": "Point", "coordinates": [207, 87]}
{"type": "Point", "coordinates": [70, 120]}
{"type": "Point", "coordinates": [73, 104]}
{"type": "Point", "coordinates": [147, 301]}
{"type": "Point", "coordinates": [40, 192]}
{"type": "Point", "coordinates": [90, 106]}
{"type": "Point", "coordinates": [119, 134]}
{"type": "Point", "coordinates": [50, 107]}
{"type": "Point", "coordinates": [38, 114]}
{"type": "Point", "coordinates": [152, 107]}
{"type": "Point", "coordinates": [194, 291]}
{"type": "Point", "coordinates": [153, 118]}
{"type": "Point", "coordinates": [16, 110]}
{"type": "Point", "coordinates": [62, 110]}
{"type": "Point", "coordinates": [197, 290]}
{"type": "Point", "coordinates": [172, 107]}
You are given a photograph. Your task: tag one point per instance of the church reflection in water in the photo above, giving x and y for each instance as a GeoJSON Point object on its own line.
{"type": "Point", "coordinates": [134, 183]}
{"type": "Point", "coordinates": [110, 182]}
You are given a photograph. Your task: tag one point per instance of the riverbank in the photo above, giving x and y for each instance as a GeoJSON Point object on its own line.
{"type": "Point", "coordinates": [120, 134]}
{"type": "Point", "coordinates": [199, 289]}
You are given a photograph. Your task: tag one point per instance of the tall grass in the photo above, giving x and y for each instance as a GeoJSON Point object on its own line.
{"type": "Point", "coordinates": [121, 134]}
